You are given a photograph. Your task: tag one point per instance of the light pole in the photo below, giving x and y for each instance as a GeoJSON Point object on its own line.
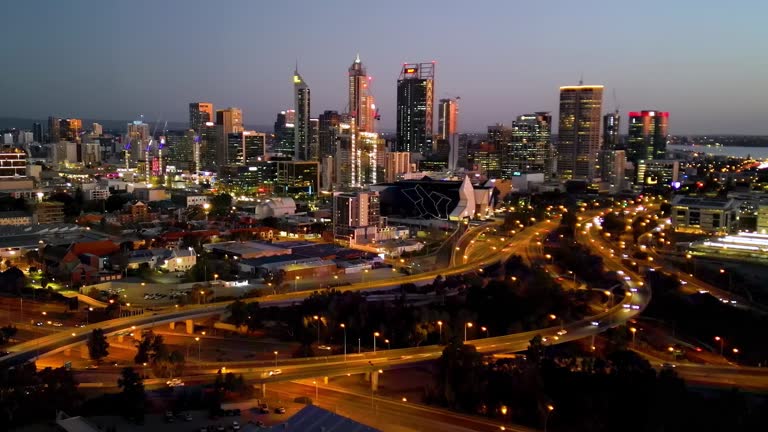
{"type": "Point", "coordinates": [215, 279]}
{"type": "Point", "coordinates": [296, 283]}
{"type": "Point", "coordinates": [634, 332]}
{"type": "Point", "coordinates": [375, 335]}
{"type": "Point", "coordinates": [485, 329]}
{"type": "Point", "coordinates": [344, 327]}
{"type": "Point", "coordinates": [317, 393]}
{"type": "Point", "coordinates": [550, 409]}
{"type": "Point", "coordinates": [197, 339]}
{"type": "Point", "coordinates": [722, 341]}
{"type": "Point", "coordinates": [387, 342]}
{"type": "Point", "coordinates": [276, 359]}
{"type": "Point", "coordinates": [317, 318]}
{"type": "Point", "coordinates": [440, 325]}
{"type": "Point", "coordinates": [466, 326]}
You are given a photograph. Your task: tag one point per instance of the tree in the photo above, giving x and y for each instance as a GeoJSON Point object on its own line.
{"type": "Point", "coordinates": [459, 376]}
{"type": "Point", "coordinates": [150, 347]}
{"type": "Point", "coordinates": [132, 395]}
{"type": "Point", "coordinates": [221, 204]}
{"type": "Point", "coordinates": [238, 314]}
{"type": "Point", "coordinates": [115, 202]}
{"type": "Point", "coordinates": [98, 347]}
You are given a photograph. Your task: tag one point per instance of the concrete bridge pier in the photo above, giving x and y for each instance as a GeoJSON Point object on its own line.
{"type": "Point", "coordinates": [190, 326]}
{"type": "Point", "coordinates": [368, 376]}
{"type": "Point", "coordinates": [172, 325]}
{"type": "Point", "coordinates": [263, 389]}
{"type": "Point", "coordinates": [325, 380]}
{"type": "Point", "coordinates": [374, 381]}
{"type": "Point", "coordinates": [84, 351]}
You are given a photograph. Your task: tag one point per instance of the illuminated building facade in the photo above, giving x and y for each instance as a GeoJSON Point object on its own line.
{"type": "Point", "coordinates": [526, 146]}
{"type": "Point", "coordinates": [361, 102]}
{"type": "Point", "coordinates": [199, 114]}
{"type": "Point", "coordinates": [13, 162]}
{"type": "Point", "coordinates": [447, 122]}
{"type": "Point", "coordinates": [579, 131]}
{"type": "Point", "coordinates": [415, 101]}
{"type": "Point", "coordinates": [647, 136]}
{"type": "Point", "coordinates": [301, 99]}
{"type": "Point", "coordinates": [611, 123]}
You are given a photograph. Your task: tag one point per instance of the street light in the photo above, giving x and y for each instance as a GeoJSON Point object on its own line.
{"type": "Point", "coordinates": [485, 329]}
{"type": "Point", "coordinates": [276, 358]}
{"type": "Point", "coordinates": [550, 409]}
{"type": "Point", "coordinates": [722, 341]}
{"type": "Point", "coordinates": [440, 325]}
{"type": "Point", "coordinates": [344, 327]}
{"type": "Point", "coordinates": [466, 326]}
{"type": "Point", "coordinates": [296, 283]}
{"type": "Point", "coordinates": [634, 332]}
{"type": "Point", "coordinates": [375, 335]}
{"type": "Point", "coordinates": [197, 339]}
{"type": "Point", "coordinates": [317, 318]}
{"type": "Point", "coordinates": [387, 342]}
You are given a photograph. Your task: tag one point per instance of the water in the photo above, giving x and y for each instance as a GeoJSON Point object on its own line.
{"type": "Point", "coordinates": [759, 153]}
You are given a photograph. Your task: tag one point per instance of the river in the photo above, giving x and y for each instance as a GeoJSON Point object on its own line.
{"type": "Point", "coordinates": [759, 153]}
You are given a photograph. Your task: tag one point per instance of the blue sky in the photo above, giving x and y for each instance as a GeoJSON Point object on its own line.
{"type": "Point", "coordinates": [704, 61]}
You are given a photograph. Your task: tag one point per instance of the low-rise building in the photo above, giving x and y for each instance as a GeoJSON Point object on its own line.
{"type": "Point", "coordinates": [704, 215]}
{"type": "Point", "coordinates": [49, 212]}
{"type": "Point", "coordinates": [15, 218]}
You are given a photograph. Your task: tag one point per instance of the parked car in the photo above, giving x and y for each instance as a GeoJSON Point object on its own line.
{"type": "Point", "coordinates": [280, 410]}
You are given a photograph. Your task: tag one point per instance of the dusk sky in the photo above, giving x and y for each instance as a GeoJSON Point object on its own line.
{"type": "Point", "coordinates": [704, 61]}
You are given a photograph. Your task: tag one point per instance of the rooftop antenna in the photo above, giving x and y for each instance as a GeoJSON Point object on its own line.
{"type": "Point", "coordinates": [581, 79]}
{"type": "Point", "coordinates": [615, 102]}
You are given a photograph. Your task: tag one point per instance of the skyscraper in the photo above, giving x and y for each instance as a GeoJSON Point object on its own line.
{"type": "Point", "coordinates": [136, 140]}
{"type": "Point", "coordinates": [447, 118]}
{"type": "Point", "coordinates": [611, 123]}
{"type": "Point", "coordinates": [415, 100]}
{"type": "Point", "coordinates": [244, 148]}
{"type": "Point", "coordinates": [647, 138]}
{"type": "Point", "coordinates": [199, 114]}
{"type": "Point", "coordinates": [284, 133]}
{"type": "Point", "coordinates": [301, 98]}
{"type": "Point", "coordinates": [230, 119]}
{"type": "Point", "coordinates": [70, 128]}
{"type": "Point", "coordinates": [97, 129]}
{"type": "Point", "coordinates": [361, 102]}
{"type": "Point", "coordinates": [37, 132]}
{"type": "Point", "coordinates": [526, 147]}
{"type": "Point", "coordinates": [54, 135]}
{"type": "Point", "coordinates": [579, 131]}
{"type": "Point", "coordinates": [328, 124]}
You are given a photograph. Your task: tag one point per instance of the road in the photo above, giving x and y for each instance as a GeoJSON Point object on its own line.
{"type": "Point", "coordinates": [388, 414]}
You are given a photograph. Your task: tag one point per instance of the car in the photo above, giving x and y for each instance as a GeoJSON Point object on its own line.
{"type": "Point", "coordinates": [595, 323]}
{"type": "Point", "coordinates": [92, 366]}
{"type": "Point", "coordinates": [169, 417]}
{"type": "Point", "coordinates": [562, 332]}
{"type": "Point", "coordinates": [260, 424]}
{"type": "Point", "coordinates": [280, 410]}
{"type": "Point", "coordinates": [187, 417]}
{"type": "Point", "coordinates": [627, 278]}
{"type": "Point", "coordinates": [324, 347]}
{"type": "Point", "coordinates": [235, 425]}
{"type": "Point", "coordinates": [81, 324]}
{"type": "Point", "coordinates": [175, 382]}
{"type": "Point", "coordinates": [57, 324]}
{"type": "Point", "coordinates": [668, 365]}
{"type": "Point", "coordinates": [220, 428]}
{"type": "Point", "coordinates": [264, 409]}
{"type": "Point", "coordinates": [39, 323]}
{"type": "Point", "coordinates": [275, 372]}
{"type": "Point", "coordinates": [635, 307]}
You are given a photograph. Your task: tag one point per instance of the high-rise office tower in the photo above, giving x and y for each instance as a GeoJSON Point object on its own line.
{"type": "Point", "coordinates": [37, 132]}
{"type": "Point", "coordinates": [647, 137]}
{"type": "Point", "coordinates": [361, 103]}
{"type": "Point", "coordinates": [244, 148]}
{"type": "Point", "coordinates": [314, 139]}
{"type": "Point", "coordinates": [301, 99]}
{"type": "Point", "coordinates": [230, 119]}
{"type": "Point", "coordinates": [447, 121]}
{"type": "Point", "coordinates": [579, 131]}
{"type": "Point", "coordinates": [207, 147]}
{"type": "Point", "coordinates": [284, 133]}
{"type": "Point", "coordinates": [328, 125]}
{"type": "Point", "coordinates": [199, 114]}
{"type": "Point", "coordinates": [611, 122]}
{"type": "Point", "coordinates": [97, 129]}
{"type": "Point", "coordinates": [354, 212]}
{"type": "Point", "coordinates": [525, 148]}
{"type": "Point", "coordinates": [54, 134]}
{"type": "Point", "coordinates": [415, 100]}
{"type": "Point", "coordinates": [136, 140]}
{"type": "Point", "coordinates": [70, 128]}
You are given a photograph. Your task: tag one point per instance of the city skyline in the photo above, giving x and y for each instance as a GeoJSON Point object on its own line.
{"type": "Point", "coordinates": [706, 79]}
